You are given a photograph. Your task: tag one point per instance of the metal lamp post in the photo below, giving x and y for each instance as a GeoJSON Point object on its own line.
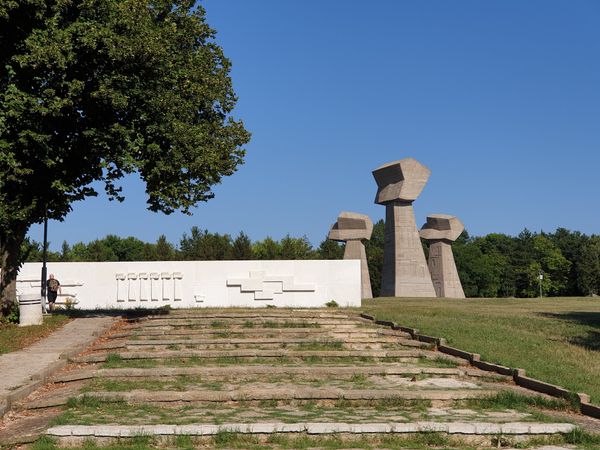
{"type": "Point", "coordinates": [44, 269]}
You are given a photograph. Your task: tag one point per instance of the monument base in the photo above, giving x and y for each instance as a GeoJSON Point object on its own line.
{"type": "Point", "coordinates": [355, 249]}
{"type": "Point", "coordinates": [405, 272]}
{"type": "Point", "coordinates": [443, 271]}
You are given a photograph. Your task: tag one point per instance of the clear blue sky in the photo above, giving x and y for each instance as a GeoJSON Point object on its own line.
{"type": "Point", "coordinates": [500, 99]}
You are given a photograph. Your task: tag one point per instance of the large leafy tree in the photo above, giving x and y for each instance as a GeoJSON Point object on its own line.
{"type": "Point", "coordinates": [547, 260]}
{"type": "Point", "coordinates": [92, 90]}
{"type": "Point", "coordinates": [572, 245]}
{"type": "Point", "coordinates": [241, 247]}
{"type": "Point", "coordinates": [206, 246]}
{"type": "Point", "coordinates": [267, 249]}
{"type": "Point", "coordinates": [588, 269]}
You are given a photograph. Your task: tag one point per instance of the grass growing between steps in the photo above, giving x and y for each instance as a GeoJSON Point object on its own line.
{"type": "Point", "coordinates": [316, 345]}
{"type": "Point", "coordinates": [180, 383]}
{"type": "Point", "coordinates": [556, 340]}
{"type": "Point", "coordinates": [115, 361]}
{"type": "Point", "coordinates": [14, 337]}
{"type": "Point", "coordinates": [427, 440]}
{"type": "Point", "coordinates": [226, 439]}
{"type": "Point", "coordinates": [187, 382]}
{"type": "Point", "coordinates": [512, 400]}
{"type": "Point", "coordinates": [135, 443]}
{"type": "Point", "coordinates": [90, 410]}
{"type": "Point", "coordinates": [290, 324]}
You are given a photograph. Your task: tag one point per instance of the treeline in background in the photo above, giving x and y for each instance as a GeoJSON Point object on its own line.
{"type": "Point", "coordinates": [495, 265]}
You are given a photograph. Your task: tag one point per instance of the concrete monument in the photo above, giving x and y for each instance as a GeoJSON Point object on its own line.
{"type": "Point", "coordinates": [351, 228]}
{"type": "Point", "coordinates": [405, 272]}
{"type": "Point", "coordinates": [441, 230]}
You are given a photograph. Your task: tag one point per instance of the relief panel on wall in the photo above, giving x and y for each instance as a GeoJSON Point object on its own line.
{"type": "Point", "coordinates": [177, 288]}
{"type": "Point", "coordinates": [155, 287]}
{"type": "Point", "coordinates": [132, 287]}
{"type": "Point", "coordinates": [186, 284]}
{"type": "Point", "coordinates": [267, 287]}
{"type": "Point", "coordinates": [121, 287]}
{"type": "Point", "coordinates": [165, 286]}
{"type": "Point", "coordinates": [68, 288]}
{"type": "Point", "coordinates": [144, 287]}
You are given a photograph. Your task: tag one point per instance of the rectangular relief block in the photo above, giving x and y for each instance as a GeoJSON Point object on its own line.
{"type": "Point", "coordinates": [167, 286]}
{"type": "Point", "coordinates": [155, 287]}
{"type": "Point", "coordinates": [121, 287]}
{"type": "Point", "coordinates": [132, 287]}
{"type": "Point", "coordinates": [178, 289]}
{"type": "Point", "coordinates": [144, 287]}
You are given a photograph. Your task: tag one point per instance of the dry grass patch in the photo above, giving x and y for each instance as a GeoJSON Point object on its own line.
{"type": "Point", "coordinates": [13, 337]}
{"type": "Point", "coordinates": [233, 440]}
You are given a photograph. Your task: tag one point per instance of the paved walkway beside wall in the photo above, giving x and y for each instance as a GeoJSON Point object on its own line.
{"type": "Point", "coordinates": [25, 370]}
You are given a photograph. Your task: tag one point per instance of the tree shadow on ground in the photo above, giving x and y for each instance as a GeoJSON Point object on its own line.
{"type": "Point", "coordinates": [125, 313]}
{"type": "Point", "coordinates": [591, 341]}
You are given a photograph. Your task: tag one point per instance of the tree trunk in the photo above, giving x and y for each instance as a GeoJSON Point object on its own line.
{"type": "Point", "coordinates": [10, 262]}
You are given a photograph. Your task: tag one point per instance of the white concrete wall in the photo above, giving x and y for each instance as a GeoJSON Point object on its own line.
{"type": "Point", "coordinates": [185, 284]}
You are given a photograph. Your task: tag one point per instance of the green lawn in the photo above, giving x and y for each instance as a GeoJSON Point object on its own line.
{"type": "Point", "coordinates": [13, 337]}
{"type": "Point", "coordinates": [556, 339]}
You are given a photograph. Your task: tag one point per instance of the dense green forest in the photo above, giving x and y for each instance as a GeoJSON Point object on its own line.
{"type": "Point", "coordinates": [496, 265]}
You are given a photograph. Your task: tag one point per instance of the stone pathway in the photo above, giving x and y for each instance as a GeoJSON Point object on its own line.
{"type": "Point", "coordinates": [25, 370]}
{"type": "Point", "coordinates": [277, 378]}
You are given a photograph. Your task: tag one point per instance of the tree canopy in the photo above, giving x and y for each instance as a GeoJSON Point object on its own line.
{"type": "Point", "coordinates": [93, 90]}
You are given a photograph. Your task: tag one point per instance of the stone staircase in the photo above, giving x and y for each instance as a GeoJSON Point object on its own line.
{"type": "Point", "coordinates": [281, 378]}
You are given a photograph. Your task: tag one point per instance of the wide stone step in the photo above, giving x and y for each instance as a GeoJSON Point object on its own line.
{"type": "Point", "coordinates": [249, 315]}
{"type": "Point", "coordinates": [279, 383]}
{"type": "Point", "coordinates": [231, 323]}
{"type": "Point", "coordinates": [262, 332]}
{"type": "Point", "coordinates": [285, 393]}
{"type": "Point", "coordinates": [250, 353]}
{"type": "Point", "coordinates": [304, 394]}
{"type": "Point", "coordinates": [258, 370]}
{"type": "Point", "coordinates": [347, 343]}
{"type": "Point", "coordinates": [461, 428]}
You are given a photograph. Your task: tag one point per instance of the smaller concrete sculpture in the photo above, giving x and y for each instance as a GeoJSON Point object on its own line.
{"type": "Point", "coordinates": [441, 230]}
{"type": "Point", "coordinates": [352, 228]}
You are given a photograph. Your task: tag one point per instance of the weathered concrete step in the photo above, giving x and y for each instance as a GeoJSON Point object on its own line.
{"type": "Point", "coordinates": [250, 353]}
{"type": "Point", "coordinates": [462, 428]}
{"type": "Point", "coordinates": [314, 371]}
{"type": "Point", "coordinates": [273, 393]}
{"type": "Point", "coordinates": [262, 332]}
{"type": "Point", "coordinates": [262, 314]}
{"type": "Point", "coordinates": [261, 341]}
{"type": "Point", "coordinates": [316, 323]}
{"type": "Point", "coordinates": [241, 318]}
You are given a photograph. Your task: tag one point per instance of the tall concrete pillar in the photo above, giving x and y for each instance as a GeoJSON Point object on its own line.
{"type": "Point", "coordinates": [441, 230]}
{"type": "Point", "coordinates": [405, 272]}
{"type": "Point", "coordinates": [352, 228]}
